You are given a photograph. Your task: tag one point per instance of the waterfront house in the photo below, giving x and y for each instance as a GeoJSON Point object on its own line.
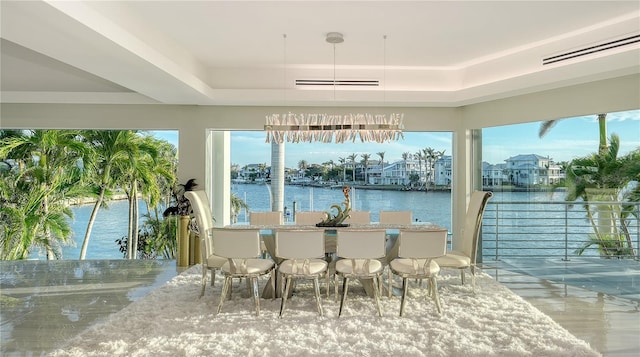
{"type": "Point", "coordinates": [443, 170]}
{"type": "Point", "coordinates": [532, 169]}
{"type": "Point", "coordinates": [493, 175]}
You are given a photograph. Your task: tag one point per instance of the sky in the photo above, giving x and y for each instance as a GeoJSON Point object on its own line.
{"type": "Point", "coordinates": [569, 138]}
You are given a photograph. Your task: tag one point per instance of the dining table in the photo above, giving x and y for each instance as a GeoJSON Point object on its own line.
{"type": "Point", "coordinates": [267, 234]}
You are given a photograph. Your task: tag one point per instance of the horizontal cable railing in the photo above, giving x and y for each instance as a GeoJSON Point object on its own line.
{"type": "Point", "coordinates": [560, 229]}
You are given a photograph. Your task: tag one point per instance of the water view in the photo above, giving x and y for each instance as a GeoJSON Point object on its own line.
{"type": "Point", "coordinates": [434, 207]}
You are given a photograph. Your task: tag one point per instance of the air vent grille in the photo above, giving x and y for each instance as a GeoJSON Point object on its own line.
{"type": "Point", "coordinates": [592, 49]}
{"type": "Point", "coordinates": [337, 82]}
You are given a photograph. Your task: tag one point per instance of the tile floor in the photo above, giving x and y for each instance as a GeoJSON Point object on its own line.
{"type": "Point", "coordinates": [596, 300]}
{"type": "Point", "coordinates": [43, 304]}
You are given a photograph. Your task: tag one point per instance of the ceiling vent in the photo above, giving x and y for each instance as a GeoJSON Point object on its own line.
{"type": "Point", "coordinates": [337, 82]}
{"type": "Point", "coordinates": [592, 49]}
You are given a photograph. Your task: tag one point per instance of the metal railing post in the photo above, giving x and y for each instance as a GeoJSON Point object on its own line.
{"type": "Point", "coordinates": [638, 231]}
{"type": "Point", "coordinates": [566, 233]}
{"type": "Point", "coordinates": [497, 234]}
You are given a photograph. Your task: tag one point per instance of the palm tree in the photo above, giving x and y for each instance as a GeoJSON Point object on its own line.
{"type": "Point", "coordinates": [111, 148]}
{"type": "Point", "coordinates": [148, 169]}
{"type": "Point", "coordinates": [406, 156]}
{"type": "Point", "coordinates": [428, 155]}
{"type": "Point", "coordinates": [262, 170]}
{"type": "Point", "coordinates": [600, 177]}
{"type": "Point", "coordinates": [381, 155]}
{"type": "Point", "coordinates": [352, 159]}
{"type": "Point", "coordinates": [431, 156]}
{"type": "Point", "coordinates": [330, 164]}
{"type": "Point", "coordinates": [365, 162]}
{"type": "Point", "coordinates": [586, 175]}
{"type": "Point", "coordinates": [237, 205]}
{"type": "Point", "coordinates": [50, 173]}
{"type": "Point", "coordinates": [419, 156]}
{"type": "Point", "coordinates": [546, 126]}
{"type": "Point", "coordinates": [343, 162]}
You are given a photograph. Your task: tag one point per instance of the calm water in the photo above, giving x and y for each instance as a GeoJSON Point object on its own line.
{"type": "Point", "coordinates": [110, 224]}
{"type": "Point", "coordinates": [434, 207]}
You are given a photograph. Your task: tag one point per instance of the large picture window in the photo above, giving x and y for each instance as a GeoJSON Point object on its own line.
{"type": "Point", "coordinates": [411, 174]}
{"type": "Point", "coordinates": [562, 188]}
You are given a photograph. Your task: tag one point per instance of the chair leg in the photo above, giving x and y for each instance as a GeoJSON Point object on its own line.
{"type": "Point", "coordinates": [256, 294]}
{"type": "Point", "coordinates": [316, 286]}
{"type": "Point", "coordinates": [213, 276]}
{"type": "Point", "coordinates": [328, 282]}
{"type": "Point", "coordinates": [273, 278]}
{"type": "Point", "coordinates": [285, 294]}
{"type": "Point", "coordinates": [473, 282]}
{"type": "Point", "coordinates": [436, 298]}
{"type": "Point", "coordinates": [345, 285]}
{"type": "Point", "coordinates": [225, 288]}
{"type": "Point", "coordinates": [376, 293]}
{"type": "Point", "coordinates": [405, 286]}
{"type": "Point", "coordinates": [335, 286]}
{"type": "Point", "coordinates": [204, 280]}
{"type": "Point", "coordinates": [462, 275]}
{"type": "Point", "coordinates": [390, 284]}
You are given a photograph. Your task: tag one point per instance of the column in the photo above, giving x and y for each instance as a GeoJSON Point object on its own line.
{"type": "Point", "coordinates": [277, 176]}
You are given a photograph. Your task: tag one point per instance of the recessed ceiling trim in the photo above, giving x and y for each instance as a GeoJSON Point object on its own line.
{"type": "Point", "coordinates": [337, 82]}
{"type": "Point", "coordinates": [592, 49]}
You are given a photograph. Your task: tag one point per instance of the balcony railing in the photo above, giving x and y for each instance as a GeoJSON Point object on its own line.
{"type": "Point", "coordinates": [559, 229]}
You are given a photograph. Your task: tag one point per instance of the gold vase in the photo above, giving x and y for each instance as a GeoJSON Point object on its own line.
{"type": "Point", "coordinates": [183, 241]}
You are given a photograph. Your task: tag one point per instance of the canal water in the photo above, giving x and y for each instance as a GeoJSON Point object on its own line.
{"type": "Point", "coordinates": [431, 206]}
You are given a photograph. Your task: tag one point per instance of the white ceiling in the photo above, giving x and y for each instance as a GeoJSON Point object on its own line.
{"type": "Point", "coordinates": [437, 53]}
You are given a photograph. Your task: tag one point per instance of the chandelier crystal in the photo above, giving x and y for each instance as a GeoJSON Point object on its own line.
{"type": "Point", "coordinates": [336, 128]}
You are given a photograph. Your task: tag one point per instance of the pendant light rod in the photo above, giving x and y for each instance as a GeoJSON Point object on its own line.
{"type": "Point", "coordinates": [338, 128]}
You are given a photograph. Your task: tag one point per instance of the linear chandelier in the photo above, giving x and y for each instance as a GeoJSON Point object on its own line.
{"type": "Point", "coordinates": [338, 128]}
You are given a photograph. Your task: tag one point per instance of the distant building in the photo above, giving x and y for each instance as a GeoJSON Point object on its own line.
{"type": "Point", "coordinates": [519, 170]}
{"type": "Point", "coordinates": [494, 175]}
{"type": "Point", "coordinates": [255, 172]}
{"type": "Point", "coordinates": [398, 173]}
{"type": "Point", "coordinates": [532, 169]}
{"type": "Point", "coordinates": [443, 171]}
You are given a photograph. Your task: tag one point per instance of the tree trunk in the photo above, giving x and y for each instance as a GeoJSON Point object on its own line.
{"type": "Point", "coordinates": [130, 196]}
{"type": "Point", "coordinates": [602, 126]}
{"type": "Point", "coordinates": [134, 229]}
{"type": "Point", "coordinates": [92, 218]}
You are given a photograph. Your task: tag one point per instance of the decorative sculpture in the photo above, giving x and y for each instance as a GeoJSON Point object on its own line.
{"type": "Point", "coordinates": [342, 214]}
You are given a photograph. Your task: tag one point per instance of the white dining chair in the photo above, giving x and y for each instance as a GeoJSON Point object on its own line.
{"type": "Point", "coordinates": [359, 253]}
{"type": "Point", "coordinates": [396, 217]}
{"type": "Point", "coordinates": [303, 253]}
{"type": "Point", "coordinates": [400, 218]}
{"type": "Point", "coordinates": [309, 218]}
{"type": "Point", "coordinates": [358, 217]}
{"type": "Point", "coordinates": [464, 252]}
{"type": "Point", "coordinates": [202, 212]}
{"type": "Point", "coordinates": [269, 218]}
{"type": "Point", "coordinates": [416, 253]}
{"type": "Point", "coordinates": [241, 248]}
